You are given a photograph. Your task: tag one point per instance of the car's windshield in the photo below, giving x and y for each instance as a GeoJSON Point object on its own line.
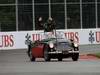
{"type": "Point", "coordinates": [58, 35]}
{"type": "Point", "coordinates": [53, 35]}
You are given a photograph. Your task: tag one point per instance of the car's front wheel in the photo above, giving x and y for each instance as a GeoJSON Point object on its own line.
{"type": "Point", "coordinates": [75, 56]}
{"type": "Point", "coordinates": [46, 53]}
{"type": "Point", "coordinates": [59, 58]}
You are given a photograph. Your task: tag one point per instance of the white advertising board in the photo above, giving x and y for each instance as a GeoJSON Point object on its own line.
{"type": "Point", "coordinates": [16, 40]}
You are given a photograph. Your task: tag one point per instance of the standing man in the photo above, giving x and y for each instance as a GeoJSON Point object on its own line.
{"type": "Point", "coordinates": [49, 25]}
{"type": "Point", "coordinates": [40, 23]}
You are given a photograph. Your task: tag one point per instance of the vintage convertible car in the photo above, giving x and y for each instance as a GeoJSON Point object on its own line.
{"type": "Point", "coordinates": [54, 47]}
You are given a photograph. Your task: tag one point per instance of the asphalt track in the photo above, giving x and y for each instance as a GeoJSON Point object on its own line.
{"type": "Point", "coordinates": [16, 62]}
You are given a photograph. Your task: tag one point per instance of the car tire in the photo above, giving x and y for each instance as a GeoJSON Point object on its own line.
{"type": "Point", "coordinates": [32, 58]}
{"type": "Point", "coordinates": [46, 54]}
{"type": "Point", "coordinates": [59, 58]}
{"type": "Point", "coordinates": [29, 49]}
{"type": "Point", "coordinates": [75, 56]}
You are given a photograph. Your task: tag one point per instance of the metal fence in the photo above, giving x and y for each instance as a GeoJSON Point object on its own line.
{"type": "Point", "coordinates": [22, 15]}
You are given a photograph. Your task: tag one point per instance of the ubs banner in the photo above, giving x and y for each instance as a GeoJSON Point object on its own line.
{"type": "Point", "coordinates": [17, 40]}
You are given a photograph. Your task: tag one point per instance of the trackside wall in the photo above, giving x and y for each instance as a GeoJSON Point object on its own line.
{"type": "Point", "coordinates": [16, 40]}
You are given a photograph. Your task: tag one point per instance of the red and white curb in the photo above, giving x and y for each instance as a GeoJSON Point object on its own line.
{"type": "Point", "coordinates": [88, 56]}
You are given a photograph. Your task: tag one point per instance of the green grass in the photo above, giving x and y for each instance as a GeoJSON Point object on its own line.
{"type": "Point", "coordinates": [97, 55]}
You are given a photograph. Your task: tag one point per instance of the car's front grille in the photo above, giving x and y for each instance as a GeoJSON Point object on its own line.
{"type": "Point", "coordinates": [63, 46]}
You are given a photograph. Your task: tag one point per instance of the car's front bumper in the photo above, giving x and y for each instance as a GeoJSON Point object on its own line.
{"type": "Point", "coordinates": [63, 52]}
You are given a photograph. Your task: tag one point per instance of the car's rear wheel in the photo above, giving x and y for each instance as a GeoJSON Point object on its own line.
{"type": "Point", "coordinates": [46, 53]}
{"type": "Point", "coordinates": [29, 49]}
{"type": "Point", "coordinates": [32, 58]}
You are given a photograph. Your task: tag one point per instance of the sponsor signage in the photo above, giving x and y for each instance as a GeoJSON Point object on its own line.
{"type": "Point", "coordinates": [18, 40]}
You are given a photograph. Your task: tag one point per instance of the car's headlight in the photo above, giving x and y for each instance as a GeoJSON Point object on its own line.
{"type": "Point", "coordinates": [75, 45]}
{"type": "Point", "coordinates": [51, 45]}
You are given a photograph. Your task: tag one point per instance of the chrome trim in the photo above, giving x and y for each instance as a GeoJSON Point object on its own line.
{"type": "Point", "coordinates": [55, 52]}
{"type": "Point", "coordinates": [73, 51]}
